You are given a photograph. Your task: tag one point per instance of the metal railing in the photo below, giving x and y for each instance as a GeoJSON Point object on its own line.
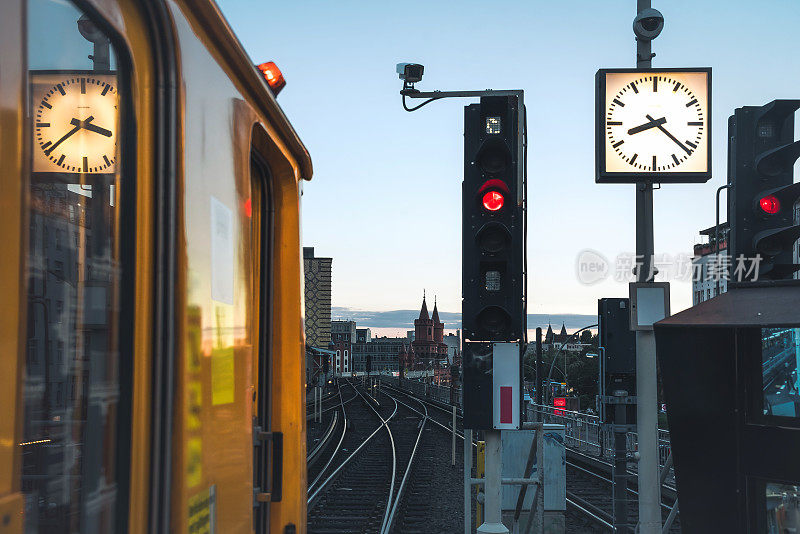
{"type": "Point", "coordinates": [582, 432]}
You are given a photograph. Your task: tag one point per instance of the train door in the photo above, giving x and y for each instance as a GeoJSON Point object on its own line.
{"type": "Point", "coordinates": [74, 267]}
{"type": "Point", "coordinates": [268, 445]}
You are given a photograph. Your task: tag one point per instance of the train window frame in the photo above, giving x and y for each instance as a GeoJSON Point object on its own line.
{"type": "Point", "coordinates": [749, 342]}
{"type": "Point", "coordinates": [263, 213]}
{"type": "Point", "coordinates": [756, 488]}
{"type": "Point", "coordinates": [126, 246]}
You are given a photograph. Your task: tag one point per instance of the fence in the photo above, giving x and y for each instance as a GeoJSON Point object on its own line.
{"type": "Point", "coordinates": [582, 432]}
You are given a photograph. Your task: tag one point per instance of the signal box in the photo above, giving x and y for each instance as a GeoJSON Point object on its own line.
{"type": "Point", "coordinates": [729, 368]}
{"type": "Point", "coordinates": [617, 358]}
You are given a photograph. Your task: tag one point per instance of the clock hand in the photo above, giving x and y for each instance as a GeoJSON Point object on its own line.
{"type": "Point", "coordinates": [82, 123]}
{"type": "Point", "coordinates": [671, 137]}
{"type": "Point", "coordinates": [97, 129]}
{"type": "Point", "coordinates": [647, 125]}
{"type": "Point", "coordinates": [66, 136]}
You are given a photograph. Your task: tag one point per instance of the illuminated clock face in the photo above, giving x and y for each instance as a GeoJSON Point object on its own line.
{"type": "Point", "coordinates": [656, 122]}
{"type": "Point", "coordinates": [75, 124]}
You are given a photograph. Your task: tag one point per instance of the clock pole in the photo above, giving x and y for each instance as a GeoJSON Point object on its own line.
{"type": "Point", "coordinates": [646, 388]}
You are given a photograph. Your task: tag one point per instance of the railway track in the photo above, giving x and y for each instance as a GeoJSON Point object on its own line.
{"type": "Point", "coordinates": [589, 504]}
{"type": "Point", "coordinates": [590, 493]}
{"type": "Point", "coordinates": [361, 486]}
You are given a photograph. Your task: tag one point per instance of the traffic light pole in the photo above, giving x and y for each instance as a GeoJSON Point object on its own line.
{"type": "Point", "coordinates": [646, 389]}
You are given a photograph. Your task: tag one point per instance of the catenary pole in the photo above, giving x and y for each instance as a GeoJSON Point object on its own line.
{"type": "Point", "coordinates": [646, 390]}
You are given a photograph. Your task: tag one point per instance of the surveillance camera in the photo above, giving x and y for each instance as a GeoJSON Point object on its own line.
{"type": "Point", "coordinates": [648, 24]}
{"type": "Point", "coordinates": [410, 72]}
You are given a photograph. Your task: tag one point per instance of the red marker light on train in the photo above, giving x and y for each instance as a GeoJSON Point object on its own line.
{"type": "Point", "coordinates": [273, 75]}
{"type": "Point", "coordinates": [248, 207]}
{"type": "Point", "coordinates": [493, 200]}
{"type": "Point", "coordinates": [770, 204]}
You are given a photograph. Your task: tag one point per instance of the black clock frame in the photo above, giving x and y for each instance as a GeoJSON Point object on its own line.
{"type": "Point", "coordinates": [65, 72]}
{"type": "Point", "coordinates": [603, 176]}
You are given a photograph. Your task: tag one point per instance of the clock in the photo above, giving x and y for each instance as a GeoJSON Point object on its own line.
{"type": "Point", "coordinates": [653, 125]}
{"type": "Point", "coordinates": [74, 122]}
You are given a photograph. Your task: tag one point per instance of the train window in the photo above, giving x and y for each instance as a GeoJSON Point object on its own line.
{"type": "Point", "coordinates": [783, 508]}
{"type": "Point", "coordinates": [780, 356]}
{"type": "Point", "coordinates": [72, 389]}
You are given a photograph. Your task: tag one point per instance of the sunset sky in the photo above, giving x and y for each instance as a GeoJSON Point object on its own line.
{"type": "Point", "coordinates": [385, 198]}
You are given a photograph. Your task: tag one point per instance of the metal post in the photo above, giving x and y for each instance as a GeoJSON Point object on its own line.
{"type": "Point", "coordinates": [492, 488]}
{"type": "Point", "coordinates": [467, 484]}
{"type": "Point", "coordinates": [539, 370]}
{"type": "Point", "coordinates": [619, 475]}
{"type": "Point", "coordinates": [646, 390]}
{"type": "Point", "coordinates": [716, 235]}
{"type": "Point", "coordinates": [454, 437]}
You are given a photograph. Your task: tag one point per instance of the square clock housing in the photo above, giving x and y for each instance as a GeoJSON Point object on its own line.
{"type": "Point", "coordinates": [653, 125]}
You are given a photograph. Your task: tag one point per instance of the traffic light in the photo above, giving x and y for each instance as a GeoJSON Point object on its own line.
{"type": "Point", "coordinates": [493, 222]}
{"type": "Point", "coordinates": [761, 207]}
{"type": "Point", "coordinates": [493, 275]}
{"type": "Point", "coordinates": [326, 363]}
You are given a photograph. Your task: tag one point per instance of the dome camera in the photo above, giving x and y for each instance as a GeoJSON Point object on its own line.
{"type": "Point", "coordinates": [648, 24]}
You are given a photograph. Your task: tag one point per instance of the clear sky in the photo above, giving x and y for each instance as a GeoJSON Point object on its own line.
{"type": "Point", "coordinates": [385, 198]}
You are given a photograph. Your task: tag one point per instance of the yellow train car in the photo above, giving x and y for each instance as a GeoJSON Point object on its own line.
{"type": "Point", "coordinates": [151, 342]}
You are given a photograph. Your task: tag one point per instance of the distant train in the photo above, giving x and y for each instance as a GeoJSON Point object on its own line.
{"type": "Point", "coordinates": [151, 371]}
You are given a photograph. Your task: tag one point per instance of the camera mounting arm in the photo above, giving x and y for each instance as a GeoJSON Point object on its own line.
{"type": "Point", "coordinates": [410, 92]}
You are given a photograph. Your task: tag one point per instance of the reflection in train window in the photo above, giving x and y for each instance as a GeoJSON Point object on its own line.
{"type": "Point", "coordinates": [783, 508]}
{"type": "Point", "coordinates": [71, 383]}
{"type": "Point", "coordinates": [780, 356]}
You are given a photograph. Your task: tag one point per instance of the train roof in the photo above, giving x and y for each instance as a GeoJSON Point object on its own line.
{"type": "Point", "coordinates": [215, 23]}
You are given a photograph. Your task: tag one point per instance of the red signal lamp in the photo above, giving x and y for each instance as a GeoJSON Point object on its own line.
{"type": "Point", "coordinates": [770, 204]}
{"type": "Point", "coordinates": [493, 200]}
{"type": "Point", "coordinates": [272, 74]}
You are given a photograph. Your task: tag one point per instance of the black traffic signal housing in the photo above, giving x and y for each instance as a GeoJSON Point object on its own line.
{"type": "Point", "coordinates": [326, 363]}
{"type": "Point", "coordinates": [761, 206]}
{"type": "Point", "coordinates": [618, 356]}
{"type": "Point", "coordinates": [493, 277]}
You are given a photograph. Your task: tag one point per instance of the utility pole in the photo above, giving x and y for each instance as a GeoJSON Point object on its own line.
{"type": "Point", "coordinates": [646, 390]}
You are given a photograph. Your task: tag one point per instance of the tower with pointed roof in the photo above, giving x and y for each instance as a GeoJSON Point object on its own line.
{"type": "Point", "coordinates": [438, 326]}
{"type": "Point", "coordinates": [429, 351]}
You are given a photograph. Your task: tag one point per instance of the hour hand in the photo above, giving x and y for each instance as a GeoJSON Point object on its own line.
{"type": "Point", "coordinates": [646, 126]}
{"type": "Point", "coordinates": [97, 129]}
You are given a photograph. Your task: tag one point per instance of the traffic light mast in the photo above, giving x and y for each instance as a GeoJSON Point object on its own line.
{"type": "Point", "coordinates": [494, 276]}
{"type": "Point", "coordinates": [761, 210]}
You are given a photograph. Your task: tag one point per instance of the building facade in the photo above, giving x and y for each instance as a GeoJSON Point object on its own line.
{"type": "Point", "coordinates": [706, 267]}
{"type": "Point", "coordinates": [343, 336]}
{"type": "Point", "coordinates": [383, 352]}
{"type": "Point", "coordinates": [453, 342]}
{"type": "Point", "coordinates": [363, 335]}
{"type": "Point", "coordinates": [317, 298]}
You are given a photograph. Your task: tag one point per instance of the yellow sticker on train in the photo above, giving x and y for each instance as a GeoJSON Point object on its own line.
{"type": "Point", "coordinates": [202, 512]}
{"type": "Point", "coordinates": [222, 379]}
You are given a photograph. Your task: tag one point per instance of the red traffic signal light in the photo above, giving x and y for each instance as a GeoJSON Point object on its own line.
{"type": "Point", "coordinates": [770, 204]}
{"type": "Point", "coordinates": [493, 200]}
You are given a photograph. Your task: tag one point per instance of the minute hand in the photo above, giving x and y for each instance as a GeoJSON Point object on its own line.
{"type": "Point", "coordinates": [660, 127]}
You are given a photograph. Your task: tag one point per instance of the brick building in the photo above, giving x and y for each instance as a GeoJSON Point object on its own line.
{"type": "Point", "coordinates": [343, 336]}
{"type": "Point", "coordinates": [428, 350]}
